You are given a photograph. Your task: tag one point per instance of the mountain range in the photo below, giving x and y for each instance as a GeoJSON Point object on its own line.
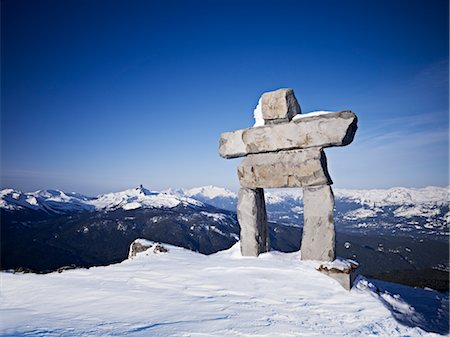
{"type": "Point", "coordinates": [404, 230]}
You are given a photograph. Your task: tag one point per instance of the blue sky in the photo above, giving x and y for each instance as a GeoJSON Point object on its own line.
{"type": "Point", "coordinates": [99, 96]}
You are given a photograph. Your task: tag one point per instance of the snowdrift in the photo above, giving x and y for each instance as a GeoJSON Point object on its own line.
{"type": "Point", "coordinates": [183, 293]}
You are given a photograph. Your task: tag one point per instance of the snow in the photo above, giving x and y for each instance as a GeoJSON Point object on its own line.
{"type": "Point", "coordinates": [142, 242]}
{"type": "Point", "coordinates": [416, 201]}
{"type": "Point", "coordinates": [210, 192]}
{"type": "Point", "coordinates": [131, 205]}
{"type": "Point", "coordinates": [400, 196]}
{"type": "Point", "coordinates": [416, 210]}
{"type": "Point", "coordinates": [339, 264]}
{"type": "Point", "coordinates": [310, 114]}
{"type": "Point", "coordinates": [214, 216]}
{"type": "Point", "coordinates": [59, 201]}
{"type": "Point", "coordinates": [257, 114]}
{"type": "Point", "coordinates": [277, 196]}
{"type": "Point", "coordinates": [32, 201]}
{"type": "Point", "coordinates": [259, 120]}
{"type": "Point", "coordinates": [135, 198]}
{"type": "Point", "coordinates": [396, 196]}
{"type": "Point", "coordinates": [362, 213]}
{"type": "Point", "coordinates": [183, 293]}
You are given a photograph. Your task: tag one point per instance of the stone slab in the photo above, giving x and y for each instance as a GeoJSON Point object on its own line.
{"type": "Point", "coordinates": [331, 129]}
{"type": "Point", "coordinates": [296, 168]}
{"type": "Point", "coordinates": [346, 280]}
{"type": "Point", "coordinates": [252, 217]}
{"type": "Point", "coordinates": [318, 241]}
{"type": "Point", "coordinates": [279, 106]}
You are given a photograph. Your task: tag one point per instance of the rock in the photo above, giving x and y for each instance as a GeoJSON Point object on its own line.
{"type": "Point", "coordinates": [159, 248]}
{"type": "Point", "coordinates": [283, 151]}
{"type": "Point", "coordinates": [346, 280]}
{"type": "Point", "coordinates": [339, 265]}
{"type": "Point", "coordinates": [318, 241]}
{"type": "Point", "coordinates": [279, 106]}
{"type": "Point", "coordinates": [61, 269]}
{"type": "Point", "coordinates": [331, 129]}
{"type": "Point", "coordinates": [138, 246]}
{"type": "Point", "coordinates": [252, 217]}
{"type": "Point", "coordinates": [297, 168]}
{"type": "Point", "coordinates": [24, 270]}
{"type": "Point", "coordinates": [342, 270]}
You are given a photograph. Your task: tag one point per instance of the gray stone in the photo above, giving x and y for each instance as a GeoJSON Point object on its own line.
{"type": "Point", "coordinates": [296, 168]}
{"type": "Point", "coordinates": [160, 249]}
{"type": "Point", "coordinates": [252, 217]}
{"type": "Point", "coordinates": [138, 246]}
{"type": "Point", "coordinates": [279, 106]}
{"type": "Point", "coordinates": [331, 129]}
{"type": "Point", "coordinates": [344, 276]}
{"type": "Point", "coordinates": [318, 241]}
{"type": "Point", "coordinates": [346, 280]}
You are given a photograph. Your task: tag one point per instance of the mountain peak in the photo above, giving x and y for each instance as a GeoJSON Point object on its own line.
{"type": "Point", "coordinates": [142, 190]}
{"type": "Point", "coordinates": [210, 191]}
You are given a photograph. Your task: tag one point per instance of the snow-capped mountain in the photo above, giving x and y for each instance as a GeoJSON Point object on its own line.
{"type": "Point", "coordinates": [60, 202]}
{"type": "Point", "coordinates": [418, 211]}
{"type": "Point", "coordinates": [213, 195]}
{"type": "Point", "coordinates": [397, 196]}
{"type": "Point", "coordinates": [45, 230]}
{"type": "Point", "coordinates": [405, 211]}
{"type": "Point", "coordinates": [210, 192]}
{"type": "Point", "coordinates": [44, 200]}
{"type": "Point", "coordinates": [142, 198]}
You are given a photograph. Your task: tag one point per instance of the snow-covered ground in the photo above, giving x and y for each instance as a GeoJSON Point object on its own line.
{"type": "Point", "coordinates": [183, 293]}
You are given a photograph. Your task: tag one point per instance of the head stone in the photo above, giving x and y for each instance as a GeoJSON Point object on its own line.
{"type": "Point", "coordinates": [279, 106]}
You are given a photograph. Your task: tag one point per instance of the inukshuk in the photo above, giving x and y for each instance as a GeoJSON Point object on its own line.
{"type": "Point", "coordinates": [287, 151]}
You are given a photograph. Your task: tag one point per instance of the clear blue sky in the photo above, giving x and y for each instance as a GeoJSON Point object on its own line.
{"type": "Point", "coordinates": [99, 96]}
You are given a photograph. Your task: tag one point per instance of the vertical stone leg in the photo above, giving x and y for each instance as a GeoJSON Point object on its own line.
{"type": "Point", "coordinates": [318, 242]}
{"type": "Point", "coordinates": [252, 217]}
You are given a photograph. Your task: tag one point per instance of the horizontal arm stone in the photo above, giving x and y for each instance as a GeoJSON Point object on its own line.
{"type": "Point", "coordinates": [331, 129]}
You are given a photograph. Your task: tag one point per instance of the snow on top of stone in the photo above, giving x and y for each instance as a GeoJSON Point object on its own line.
{"type": "Point", "coordinates": [310, 114]}
{"type": "Point", "coordinates": [259, 120]}
{"type": "Point", "coordinates": [257, 114]}
{"type": "Point", "coordinates": [185, 293]}
{"type": "Point", "coordinates": [339, 264]}
{"type": "Point", "coordinates": [144, 242]}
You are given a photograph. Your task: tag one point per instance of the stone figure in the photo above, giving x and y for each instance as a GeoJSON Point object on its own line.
{"type": "Point", "coordinates": [287, 151]}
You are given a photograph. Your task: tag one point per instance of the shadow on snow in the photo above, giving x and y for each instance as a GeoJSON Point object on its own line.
{"type": "Point", "coordinates": [423, 308]}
